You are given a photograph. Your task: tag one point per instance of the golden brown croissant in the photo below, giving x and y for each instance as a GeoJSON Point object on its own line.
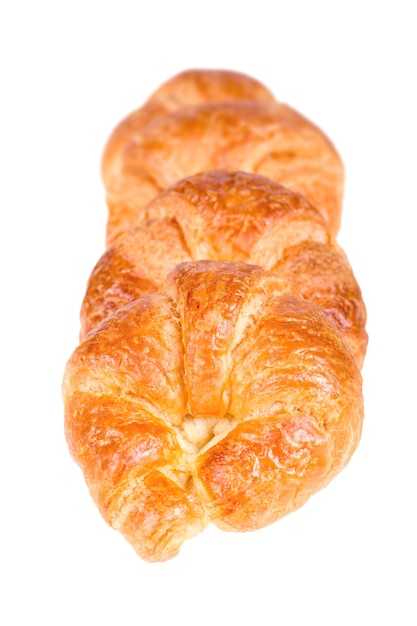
{"type": "Point", "coordinates": [188, 88]}
{"type": "Point", "coordinates": [203, 120]}
{"type": "Point", "coordinates": [231, 217]}
{"type": "Point", "coordinates": [225, 397]}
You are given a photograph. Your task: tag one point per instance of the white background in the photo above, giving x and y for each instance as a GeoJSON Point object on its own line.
{"type": "Point", "coordinates": [69, 72]}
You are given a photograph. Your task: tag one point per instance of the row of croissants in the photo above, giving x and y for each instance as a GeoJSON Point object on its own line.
{"type": "Point", "coordinates": [218, 374]}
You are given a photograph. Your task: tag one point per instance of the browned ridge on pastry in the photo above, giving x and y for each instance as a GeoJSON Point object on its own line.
{"type": "Point", "coordinates": [222, 120]}
{"type": "Point", "coordinates": [231, 217]}
{"type": "Point", "coordinates": [225, 397]}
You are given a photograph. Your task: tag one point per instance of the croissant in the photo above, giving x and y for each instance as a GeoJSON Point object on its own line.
{"type": "Point", "coordinates": [223, 397]}
{"type": "Point", "coordinates": [232, 217]}
{"type": "Point", "coordinates": [203, 120]}
{"type": "Point", "coordinates": [191, 87]}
